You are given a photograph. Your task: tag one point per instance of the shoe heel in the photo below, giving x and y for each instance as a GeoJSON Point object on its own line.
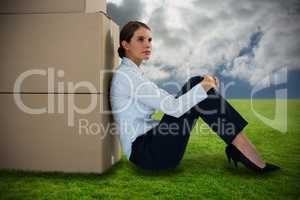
{"type": "Point", "coordinates": [231, 156]}
{"type": "Point", "coordinates": [235, 163]}
{"type": "Point", "coordinates": [228, 158]}
{"type": "Point", "coordinates": [228, 154]}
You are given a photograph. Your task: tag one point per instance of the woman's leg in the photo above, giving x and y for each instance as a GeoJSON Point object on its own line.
{"type": "Point", "coordinates": [165, 144]}
{"type": "Point", "coordinates": [216, 112]}
{"type": "Point", "coordinates": [248, 149]}
{"type": "Point", "coordinates": [168, 140]}
{"type": "Point", "coordinates": [229, 120]}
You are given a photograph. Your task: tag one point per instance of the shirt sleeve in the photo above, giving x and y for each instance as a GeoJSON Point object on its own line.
{"type": "Point", "coordinates": [148, 93]}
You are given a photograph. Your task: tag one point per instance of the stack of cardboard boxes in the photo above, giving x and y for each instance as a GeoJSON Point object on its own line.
{"type": "Point", "coordinates": [56, 63]}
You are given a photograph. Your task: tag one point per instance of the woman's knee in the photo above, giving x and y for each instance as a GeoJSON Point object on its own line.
{"type": "Point", "coordinates": [193, 81]}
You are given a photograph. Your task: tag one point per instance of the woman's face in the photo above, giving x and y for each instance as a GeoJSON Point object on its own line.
{"type": "Point", "coordinates": [139, 48]}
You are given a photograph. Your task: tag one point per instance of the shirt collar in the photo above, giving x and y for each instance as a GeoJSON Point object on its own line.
{"type": "Point", "coordinates": [129, 62]}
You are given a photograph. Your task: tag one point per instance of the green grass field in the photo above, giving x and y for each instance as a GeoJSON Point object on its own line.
{"type": "Point", "coordinates": [204, 173]}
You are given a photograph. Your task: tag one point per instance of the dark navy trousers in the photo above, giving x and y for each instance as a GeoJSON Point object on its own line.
{"type": "Point", "coordinates": [163, 146]}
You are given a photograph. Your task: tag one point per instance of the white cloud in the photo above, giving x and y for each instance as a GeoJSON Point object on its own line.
{"type": "Point", "coordinates": [200, 35]}
{"type": "Point", "coordinates": [279, 47]}
{"type": "Point", "coordinates": [209, 33]}
{"type": "Point", "coordinates": [117, 2]}
{"type": "Point", "coordinates": [155, 73]}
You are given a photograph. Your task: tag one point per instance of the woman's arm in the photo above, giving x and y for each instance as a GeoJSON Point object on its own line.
{"type": "Point", "coordinates": [146, 92]}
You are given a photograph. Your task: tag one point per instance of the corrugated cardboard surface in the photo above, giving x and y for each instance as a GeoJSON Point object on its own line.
{"type": "Point", "coordinates": [75, 47]}
{"type": "Point", "coordinates": [45, 142]}
{"type": "Point", "coordinates": [52, 6]}
{"type": "Point", "coordinates": [54, 57]}
{"type": "Point", "coordinates": [114, 35]}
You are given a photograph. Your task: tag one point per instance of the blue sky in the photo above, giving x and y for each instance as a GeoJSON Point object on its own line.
{"type": "Point", "coordinates": [244, 43]}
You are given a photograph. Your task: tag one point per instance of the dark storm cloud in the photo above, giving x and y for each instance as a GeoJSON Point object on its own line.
{"type": "Point", "coordinates": [210, 33]}
{"type": "Point", "coordinates": [128, 10]}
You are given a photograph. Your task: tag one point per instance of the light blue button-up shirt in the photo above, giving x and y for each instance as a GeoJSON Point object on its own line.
{"type": "Point", "coordinates": [134, 98]}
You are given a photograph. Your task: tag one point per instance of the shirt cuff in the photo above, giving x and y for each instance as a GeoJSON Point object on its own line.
{"type": "Point", "coordinates": [200, 92]}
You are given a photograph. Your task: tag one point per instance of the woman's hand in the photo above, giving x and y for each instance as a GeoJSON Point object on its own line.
{"type": "Point", "coordinates": [209, 82]}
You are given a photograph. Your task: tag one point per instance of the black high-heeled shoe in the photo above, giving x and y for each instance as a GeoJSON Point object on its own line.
{"type": "Point", "coordinates": [233, 153]}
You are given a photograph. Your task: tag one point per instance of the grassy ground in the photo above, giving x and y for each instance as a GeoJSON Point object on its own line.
{"type": "Point", "coordinates": [203, 174]}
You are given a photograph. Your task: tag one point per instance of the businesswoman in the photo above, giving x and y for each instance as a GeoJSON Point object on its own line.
{"type": "Point", "coordinates": [158, 145]}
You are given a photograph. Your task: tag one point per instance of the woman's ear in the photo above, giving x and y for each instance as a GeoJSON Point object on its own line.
{"type": "Point", "coordinates": [125, 45]}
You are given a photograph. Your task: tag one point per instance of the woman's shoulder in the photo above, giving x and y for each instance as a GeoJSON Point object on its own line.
{"type": "Point", "coordinates": [124, 74]}
{"type": "Point", "coordinates": [124, 69]}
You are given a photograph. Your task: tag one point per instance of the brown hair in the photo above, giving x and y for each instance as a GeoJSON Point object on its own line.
{"type": "Point", "coordinates": [127, 33]}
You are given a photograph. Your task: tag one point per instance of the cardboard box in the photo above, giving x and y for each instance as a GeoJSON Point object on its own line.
{"type": "Point", "coordinates": [45, 142]}
{"type": "Point", "coordinates": [52, 52]}
{"type": "Point", "coordinates": [51, 65]}
{"type": "Point", "coordinates": [51, 6]}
